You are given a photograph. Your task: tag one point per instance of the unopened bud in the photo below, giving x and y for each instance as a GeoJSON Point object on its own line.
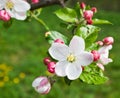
{"type": "Point", "coordinates": [82, 5]}
{"type": "Point", "coordinates": [51, 67]}
{"type": "Point", "coordinates": [35, 1]}
{"type": "Point", "coordinates": [59, 41]}
{"type": "Point", "coordinates": [96, 55]}
{"type": "Point", "coordinates": [88, 14]}
{"type": "Point", "coordinates": [100, 43]}
{"type": "Point", "coordinates": [4, 15]}
{"type": "Point", "coordinates": [42, 85]}
{"type": "Point", "coordinates": [108, 40]}
{"type": "Point", "coordinates": [94, 9]}
{"type": "Point", "coordinates": [46, 60]}
{"type": "Point", "coordinates": [89, 21]}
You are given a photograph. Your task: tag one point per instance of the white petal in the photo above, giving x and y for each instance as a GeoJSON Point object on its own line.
{"type": "Point", "coordinates": [20, 15]}
{"type": "Point", "coordinates": [77, 45]}
{"type": "Point", "coordinates": [36, 82]}
{"type": "Point", "coordinates": [105, 48]}
{"type": "Point", "coordinates": [105, 61]}
{"type": "Point", "coordinates": [59, 51]}
{"type": "Point", "coordinates": [73, 71]}
{"type": "Point", "coordinates": [85, 58]}
{"type": "Point", "coordinates": [60, 68]}
{"type": "Point", "coordinates": [21, 6]}
{"type": "Point", "coordinates": [2, 4]}
{"type": "Point", "coordinates": [100, 66]}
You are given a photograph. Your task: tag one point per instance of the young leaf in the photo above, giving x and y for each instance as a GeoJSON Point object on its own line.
{"type": "Point", "coordinates": [99, 21]}
{"type": "Point", "coordinates": [89, 33]}
{"type": "Point", "coordinates": [92, 35]}
{"type": "Point", "coordinates": [93, 75]}
{"type": "Point", "coordinates": [67, 14]}
{"type": "Point", "coordinates": [53, 35]}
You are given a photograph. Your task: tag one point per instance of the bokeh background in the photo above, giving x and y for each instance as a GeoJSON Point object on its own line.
{"type": "Point", "coordinates": [23, 47]}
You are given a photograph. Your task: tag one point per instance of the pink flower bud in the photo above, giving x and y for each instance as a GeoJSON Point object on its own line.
{"type": "Point", "coordinates": [59, 41]}
{"type": "Point", "coordinates": [108, 40]}
{"type": "Point", "coordinates": [46, 60]}
{"type": "Point", "coordinates": [82, 5]}
{"type": "Point", "coordinates": [35, 1]}
{"type": "Point", "coordinates": [96, 55]}
{"type": "Point", "coordinates": [4, 15]}
{"type": "Point", "coordinates": [88, 14]}
{"type": "Point", "coordinates": [51, 67]}
{"type": "Point", "coordinates": [42, 85]}
{"type": "Point", "coordinates": [94, 9]}
{"type": "Point", "coordinates": [100, 43]}
{"type": "Point", "coordinates": [89, 21]}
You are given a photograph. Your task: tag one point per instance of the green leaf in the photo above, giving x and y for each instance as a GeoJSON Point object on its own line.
{"type": "Point", "coordinates": [99, 21]}
{"type": "Point", "coordinates": [67, 14]}
{"type": "Point", "coordinates": [93, 75]}
{"type": "Point", "coordinates": [89, 33]}
{"type": "Point", "coordinates": [82, 32]}
{"type": "Point", "coordinates": [77, 9]}
{"type": "Point", "coordinates": [8, 24]}
{"type": "Point", "coordinates": [53, 35]}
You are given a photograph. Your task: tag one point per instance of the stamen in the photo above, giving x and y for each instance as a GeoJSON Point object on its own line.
{"type": "Point", "coordinates": [71, 58]}
{"type": "Point", "coordinates": [9, 4]}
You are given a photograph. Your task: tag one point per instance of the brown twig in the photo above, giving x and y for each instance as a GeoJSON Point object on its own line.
{"type": "Point", "coordinates": [44, 3]}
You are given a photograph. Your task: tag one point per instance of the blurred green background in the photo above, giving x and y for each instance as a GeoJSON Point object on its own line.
{"type": "Point", "coordinates": [23, 47]}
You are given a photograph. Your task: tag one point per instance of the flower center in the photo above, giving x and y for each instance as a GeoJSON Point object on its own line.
{"type": "Point", "coordinates": [9, 4]}
{"type": "Point", "coordinates": [71, 58]}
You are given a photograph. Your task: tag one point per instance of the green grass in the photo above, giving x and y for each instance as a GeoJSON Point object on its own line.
{"type": "Point", "coordinates": [23, 47]}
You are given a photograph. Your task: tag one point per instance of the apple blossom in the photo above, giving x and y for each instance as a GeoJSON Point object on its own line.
{"type": "Point", "coordinates": [4, 15]}
{"type": "Point", "coordinates": [104, 54]}
{"type": "Point", "coordinates": [15, 8]}
{"type": "Point", "coordinates": [70, 58]}
{"type": "Point", "coordinates": [42, 85]}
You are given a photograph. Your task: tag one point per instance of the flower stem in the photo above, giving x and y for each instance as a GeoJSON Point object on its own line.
{"type": "Point", "coordinates": [40, 21]}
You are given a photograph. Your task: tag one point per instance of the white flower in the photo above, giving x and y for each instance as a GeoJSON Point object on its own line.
{"type": "Point", "coordinates": [42, 85]}
{"type": "Point", "coordinates": [104, 54]}
{"type": "Point", "coordinates": [70, 59]}
{"type": "Point", "coordinates": [15, 8]}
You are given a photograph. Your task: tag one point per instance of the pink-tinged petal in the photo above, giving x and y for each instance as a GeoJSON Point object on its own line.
{"type": "Point", "coordinates": [100, 66]}
{"type": "Point", "coordinates": [73, 71]}
{"type": "Point", "coordinates": [20, 15]}
{"type": "Point", "coordinates": [105, 48]}
{"type": "Point", "coordinates": [84, 58]}
{"type": "Point", "coordinates": [77, 45]}
{"type": "Point", "coordinates": [21, 6]}
{"type": "Point", "coordinates": [105, 61]}
{"type": "Point", "coordinates": [60, 68]}
{"type": "Point", "coordinates": [44, 89]}
{"type": "Point", "coordinates": [59, 51]}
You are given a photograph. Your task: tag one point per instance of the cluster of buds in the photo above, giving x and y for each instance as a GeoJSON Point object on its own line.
{"type": "Point", "coordinates": [4, 15]}
{"type": "Point", "coordinates": [50, 65]}
{"type": "Point", "coordinates": [101, 56]}
{"type": "Point", "coordinates": [88, 14]}
{"type": "Point", "coordinates": [35, 1]}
